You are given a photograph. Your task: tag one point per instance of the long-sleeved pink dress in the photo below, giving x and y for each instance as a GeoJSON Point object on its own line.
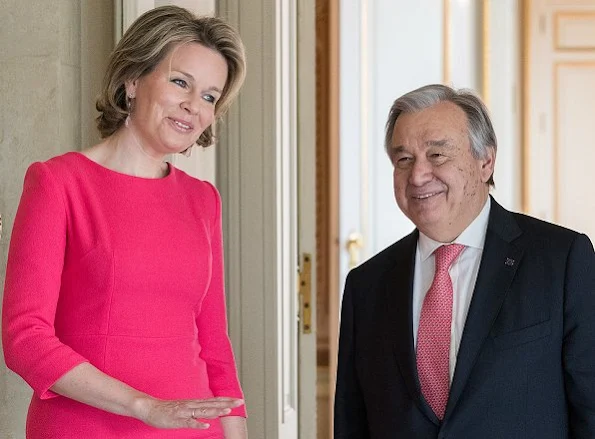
{"type": "Point", "coordinates": [125, 273]}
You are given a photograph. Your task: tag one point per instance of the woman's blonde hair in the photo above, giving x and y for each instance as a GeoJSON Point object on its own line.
{"type": "Point", "coordinates": [148, 41]}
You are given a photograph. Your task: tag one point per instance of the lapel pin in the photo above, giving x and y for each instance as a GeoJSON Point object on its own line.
{"type": "Point", "coordinates": [509, 262]}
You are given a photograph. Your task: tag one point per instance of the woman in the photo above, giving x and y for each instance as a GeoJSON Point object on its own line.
{"type": "Point", "coordinates": [114, 309]}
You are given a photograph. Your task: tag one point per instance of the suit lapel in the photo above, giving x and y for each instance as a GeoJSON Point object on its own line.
{"type": "Point", "coordinates": [498, 266]}
{"type": "Point", "coordinates": [399, 294]}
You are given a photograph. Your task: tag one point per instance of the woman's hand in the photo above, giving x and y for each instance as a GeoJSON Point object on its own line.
{"type": "Point", "coordinates": [190, 413]}
{"type": "Point", "coordinates": [87, 384]}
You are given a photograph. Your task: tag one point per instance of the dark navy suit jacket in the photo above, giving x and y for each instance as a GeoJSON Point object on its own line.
{"type": "Point", "coordinates": [526, 363]}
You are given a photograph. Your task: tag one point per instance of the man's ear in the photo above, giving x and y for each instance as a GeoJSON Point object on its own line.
{"type": "Point", "coordinates": [488, 164]}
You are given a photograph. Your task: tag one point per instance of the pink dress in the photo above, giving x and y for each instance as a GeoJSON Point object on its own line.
{"type": "Point", "coordinates": [125, 273]}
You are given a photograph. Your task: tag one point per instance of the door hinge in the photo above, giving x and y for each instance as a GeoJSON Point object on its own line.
{"type": "Point", "coordinates": [305, 293]}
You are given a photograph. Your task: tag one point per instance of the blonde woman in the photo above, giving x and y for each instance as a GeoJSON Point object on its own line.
{"type": "Point", "coordinates": [114, 307]}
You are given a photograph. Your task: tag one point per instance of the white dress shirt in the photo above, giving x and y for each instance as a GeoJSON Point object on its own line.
{"type": "Point", "coordinates": [463, 273]}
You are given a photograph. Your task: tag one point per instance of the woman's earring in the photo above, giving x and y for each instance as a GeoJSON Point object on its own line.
{"type": "Point", "coordinates": [187, 152]}
{"type": "Point", "coordinates": [129, 99]}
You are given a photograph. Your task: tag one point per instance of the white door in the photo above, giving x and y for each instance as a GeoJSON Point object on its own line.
{"type": "Point", "coordinates": [560, 98]}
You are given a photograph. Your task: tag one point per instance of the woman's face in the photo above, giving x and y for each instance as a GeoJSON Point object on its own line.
{"type": "Point", "coordinates": [175, 103]}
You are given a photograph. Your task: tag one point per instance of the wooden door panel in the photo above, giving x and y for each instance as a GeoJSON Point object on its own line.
{"type": "Point", "coordinates": [560, 86]}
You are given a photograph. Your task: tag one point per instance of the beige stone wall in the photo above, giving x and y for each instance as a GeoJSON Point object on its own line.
{"type": "Point", "coordinates": [52, 59]}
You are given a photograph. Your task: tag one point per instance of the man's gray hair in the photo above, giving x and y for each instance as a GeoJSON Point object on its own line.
{"type": "Point", "coordinates": [481, 131]}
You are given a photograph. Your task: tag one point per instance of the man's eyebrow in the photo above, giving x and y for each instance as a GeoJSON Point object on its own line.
{"type": "Point", "coordinates": [188, 75]}
{"type": "Point", "coordinates": [439, 143]}
{"type": "Point", "coordinates": [427, 143]}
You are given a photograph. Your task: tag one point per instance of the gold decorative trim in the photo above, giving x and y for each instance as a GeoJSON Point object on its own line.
{"type": "Point", "coordinates": [525, 24]}
{"type": "Point", "coordinates": [446, 43]}
{"type": "Point", "coordinates": [575, 15]}
{"type": "Point", "coordinates": [555, 131]}
{"type": "Point", "coordinates": [486, 52]}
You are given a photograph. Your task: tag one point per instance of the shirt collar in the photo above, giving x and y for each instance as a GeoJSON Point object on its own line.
{"type": "Point", "coordinates": [473, 236]}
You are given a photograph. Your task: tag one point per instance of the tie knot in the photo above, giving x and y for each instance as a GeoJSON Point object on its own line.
{"type": "Point", "coordinates": [446, 254]}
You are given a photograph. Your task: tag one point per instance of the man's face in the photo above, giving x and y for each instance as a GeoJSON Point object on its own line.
{"type": "Point", "coordinates": [438, 183]}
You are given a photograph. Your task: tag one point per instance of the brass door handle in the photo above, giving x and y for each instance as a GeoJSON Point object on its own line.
{"type": "Point", "coordinates": [355, 242]}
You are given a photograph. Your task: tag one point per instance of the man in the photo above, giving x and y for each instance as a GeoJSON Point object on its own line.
{"type": "Point", "coordinates": [481, 323]}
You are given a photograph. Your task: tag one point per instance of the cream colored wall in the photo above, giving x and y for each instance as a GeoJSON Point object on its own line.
{"type": "Point", "coordinates": [97, 41]}
{"type": "Point", "coordinates": [52, 59]}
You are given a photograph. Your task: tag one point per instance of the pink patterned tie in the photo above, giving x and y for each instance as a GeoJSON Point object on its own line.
{"type": "Point", "coordinates": [433, 336]}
